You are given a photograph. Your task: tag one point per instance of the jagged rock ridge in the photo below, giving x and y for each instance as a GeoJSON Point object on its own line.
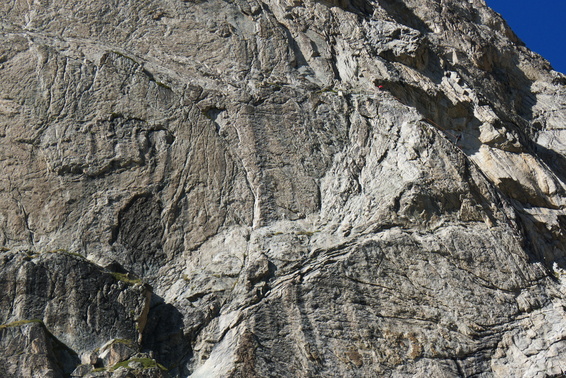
{"type": "Point", "coordinates": [339, 188]}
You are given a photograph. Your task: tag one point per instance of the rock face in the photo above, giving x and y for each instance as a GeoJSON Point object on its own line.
{"type": "Point", "coordinates": [56, 309]}
{"type": "Point", "coordinates": [311, 188]}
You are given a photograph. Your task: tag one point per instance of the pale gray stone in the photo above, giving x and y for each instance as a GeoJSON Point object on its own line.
{"type": "Point", "coordinates": [311, 188]}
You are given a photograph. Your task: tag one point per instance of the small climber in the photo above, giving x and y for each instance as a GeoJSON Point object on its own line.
{"type": "Point", "coordinates": [458, 137]}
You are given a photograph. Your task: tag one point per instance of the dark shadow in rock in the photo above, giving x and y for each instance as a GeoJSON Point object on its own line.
{"type": "Point", "coordinates": [555, 160]}
{"type": "Point", "coordinates": [434, 69]}
{"type": "Point", "coordinates": [438, 110]}
{"type": "Point", "coordinates": [115, 267]}
{"type": "Point", "coordinates": [403, 15]}
{"type": "Point", "coordinates": [504, 84]}
{"type": "Point", "coordinates": [360, 7]}
{"type": "Point", "coordinates": [34, 348]}
{"type": "Point", "coordinates": [543, 245]}
{"type": "Point", "coordinates": [138, 235]}
{"type": "Point", "coordinates": [67, 359]}
{"type": "Point", "coordinates": [163, 337]}
{"type": "Point", "coordinates": [300, 59]}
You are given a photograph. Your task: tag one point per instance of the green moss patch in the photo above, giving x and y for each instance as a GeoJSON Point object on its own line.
{"type": "Point", "coordinates": [66, 252]}
{"type": "Point", "coordinates": [147, 363]}
{"type": "Point", "coordinates": [123, 341]}
{"type": "Point", "coordinates": [125, 278]}
{"type": "Point", "coordinates": [306, 233]}
{"type": "Point", "coordinates": [20, 323]}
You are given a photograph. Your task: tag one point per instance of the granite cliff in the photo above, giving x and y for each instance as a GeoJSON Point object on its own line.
{"type": "Point", "coordinates": [278, 188]}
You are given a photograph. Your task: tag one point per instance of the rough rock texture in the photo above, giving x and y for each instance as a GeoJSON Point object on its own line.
{"type": "Point", "coordinates": [56, 308]}
{"type": "Point", "coordinates": [29, 350]}
{"type": "Point", "coordinates": [311, 188]}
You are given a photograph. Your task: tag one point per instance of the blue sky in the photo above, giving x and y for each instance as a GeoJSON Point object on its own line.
{"type": "Point", "coordinates": [540, 24]}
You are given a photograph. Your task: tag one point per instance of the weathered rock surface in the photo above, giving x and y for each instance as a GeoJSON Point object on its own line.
{"type": "Point", "coordinates": [340, 188]}
{"type": "Point", "coordinates": [29, 350]}
{"type": "Point", "coordinates": [56, 308]}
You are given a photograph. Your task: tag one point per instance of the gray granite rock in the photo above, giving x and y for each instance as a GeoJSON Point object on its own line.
{"type": "Point", "coordinates": [311, 188]}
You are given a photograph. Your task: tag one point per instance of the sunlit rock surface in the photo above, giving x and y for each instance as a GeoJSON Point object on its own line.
{"type": "Point", "coordinates": [278, 188]}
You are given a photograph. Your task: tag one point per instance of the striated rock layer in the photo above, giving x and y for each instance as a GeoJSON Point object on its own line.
{"type": "Point", "coordinates": [278, 188]}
